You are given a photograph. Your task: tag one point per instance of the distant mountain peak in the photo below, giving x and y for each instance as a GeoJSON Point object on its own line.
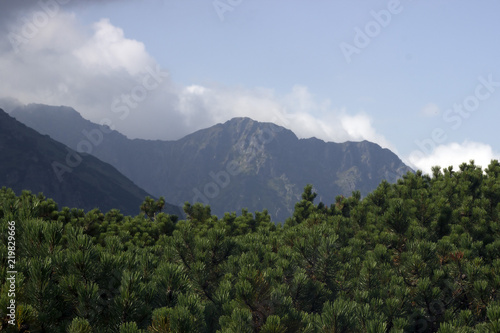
{"type": "Point", "coordinates": [241, 163]}
{"type": "Point", "coordinates": [249, 125]}
{"type": "Point", "coordinates": [239, 120]}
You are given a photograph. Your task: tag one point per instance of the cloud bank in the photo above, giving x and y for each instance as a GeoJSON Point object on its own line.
{"type": "Point", "coordinates": [454, 154]}
{"type": "Point", "coordinates": [47, 56]}
{"type": "Point", "coordinates": [106, 76]}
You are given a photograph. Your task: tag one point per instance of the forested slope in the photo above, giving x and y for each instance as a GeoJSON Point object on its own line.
{"type": "Point", "coordinates": [421, 255]}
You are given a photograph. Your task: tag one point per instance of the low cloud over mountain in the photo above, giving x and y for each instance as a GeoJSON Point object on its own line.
{"type": "Point", "coordinates": [112, 78]}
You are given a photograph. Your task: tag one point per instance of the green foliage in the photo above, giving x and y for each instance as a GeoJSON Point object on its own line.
{"type": "Point", "coordinates": [79, 325]}
{"type": "Point", "coordinates": [151, 207]}
{"type": "Point", "coordinates": [421, 255]}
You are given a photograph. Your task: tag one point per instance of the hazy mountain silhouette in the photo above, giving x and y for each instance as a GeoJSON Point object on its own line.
{"type": "Point", "coordinates": [35, 162]}
{"type": "Point", "coordinates": [239, 164]}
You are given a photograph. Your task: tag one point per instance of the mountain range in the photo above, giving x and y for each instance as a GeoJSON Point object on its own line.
{"type": "Point", "coordinates": [35, 162]}
{"type": "Point", "coordinates": [239, 164]}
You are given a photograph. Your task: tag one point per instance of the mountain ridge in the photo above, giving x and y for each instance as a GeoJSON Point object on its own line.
{"type": "Point", "coordinates": [241, 163]}
{"type": "Point", "coordinates": [35, 162]}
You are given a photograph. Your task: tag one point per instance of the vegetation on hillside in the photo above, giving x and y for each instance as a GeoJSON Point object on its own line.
{"type": "Point", "coordinates": [421, 255]}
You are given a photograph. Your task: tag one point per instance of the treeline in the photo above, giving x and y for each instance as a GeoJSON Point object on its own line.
{"type": "Point", "coordinates": [421, 255]}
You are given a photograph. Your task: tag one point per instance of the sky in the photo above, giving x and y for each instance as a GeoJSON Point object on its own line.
{"type": "Point", "coordinates": [420, 77]}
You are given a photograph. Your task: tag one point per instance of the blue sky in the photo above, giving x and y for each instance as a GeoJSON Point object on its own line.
{"type": "Point", "coordinates": [415, 64]}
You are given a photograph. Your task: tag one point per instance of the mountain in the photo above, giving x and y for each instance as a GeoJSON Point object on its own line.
{"type": "Point", "coordinates": [239, 164]}
{"type": "Point", "coordinates": [35, 162]}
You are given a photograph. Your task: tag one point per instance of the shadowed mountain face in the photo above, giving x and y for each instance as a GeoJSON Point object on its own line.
{"type": "Point", "coordinates": [35, 162]}
{"type": "Point", "coordinates": [239, 164]}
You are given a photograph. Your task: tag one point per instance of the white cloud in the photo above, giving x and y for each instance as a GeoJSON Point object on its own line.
{"type": "Point", "coordinates": [195, 89]}
{"type": "Point", "coordinates": [453, 154]}
{"type": "Point", "coordinates": [359, 127]}
{"type": "Point", "coordinates": [430, 110]}
{"type": "Point", "coordinates": [97, 72]}
{"type": "Point", "coordinates": [297, 111]}
{"type": "Point", "coordinates": [8, 104]}
{"type": "Point", "coordinates": [108, 49]}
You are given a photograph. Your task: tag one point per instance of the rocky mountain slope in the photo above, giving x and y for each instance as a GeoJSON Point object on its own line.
{"type": "Point", "coordinates": [35, 162]}
{"type": "Point", "coordinates": [239, 164]}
